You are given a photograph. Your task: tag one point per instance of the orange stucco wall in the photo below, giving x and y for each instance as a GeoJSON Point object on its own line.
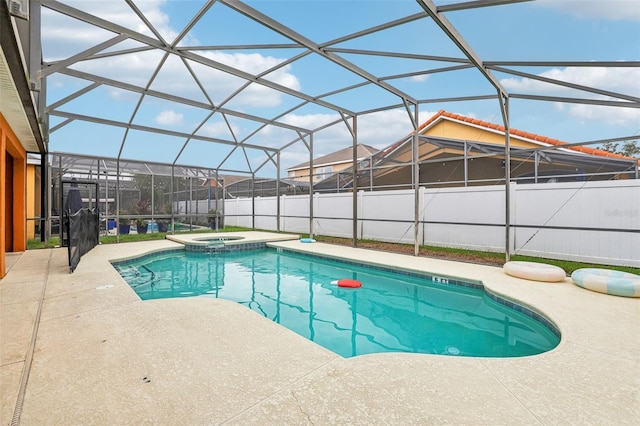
{"type": "Point", "coordinates": [13, 227]}
{"type": "Point", "coordinates": [465, 131]}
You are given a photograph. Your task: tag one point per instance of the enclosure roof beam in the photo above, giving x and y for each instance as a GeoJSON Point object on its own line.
{"type": "Point", "coordinates": [375, 29]}
{"type": "Point", "coordinates": [243, 46]}
{"type": "Point", "coordinates": [73, 96]}
{"type": "Point", "coordinates": [56, 66]}
{"type": "Point", "coordinates": [111, 53]}
{"type": "Point", "coordinates": [459, 41]}
{"type": "Point", "coordinates": [153, 130]}
{"type": "Point", "coordinates": [566, 84]}
{"type": "Point", "coordinates": [475, 4]}
{"type": "Point", "coordinates": [429, 101]}
{"type": "Point", "coordinates": [173, 98]}
{"type": "Point", "coordinates": [588, 64]}
{"type": "Point", "coordinates": [576, 100]}
{"type": "Point", "coordinates": [427, 72]}
{"type": "Point", "coordinates": [298, 38]}
{"type": "Point", "coordinates": [398, 55]}
{"type": "Point", "coordinates": [144, 19]}
{"type": "Point", "coordinates": [61, 125]}
{"type": "Point", "coordinates": [150, 41]}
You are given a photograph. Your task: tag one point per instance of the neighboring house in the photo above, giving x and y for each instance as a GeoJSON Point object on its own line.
{"type": "Point", "coordinates": [327, 165]}
{"type": "Point", "coordinates": [20, 131]}
{"type": "Point", "coordinates": [455, 150]}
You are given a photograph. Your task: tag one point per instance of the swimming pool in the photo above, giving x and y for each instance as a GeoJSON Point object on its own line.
{"type": "Point", "coordinates": [391, 312]}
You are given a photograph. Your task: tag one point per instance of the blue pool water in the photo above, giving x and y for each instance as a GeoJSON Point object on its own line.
{"type": "Point", "coordinates": [391, 312]}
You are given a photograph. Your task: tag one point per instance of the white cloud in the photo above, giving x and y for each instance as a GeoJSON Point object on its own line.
{"type": "Point", "coordinates": [64, 37]}
{"type": "Point", "coordinates": [218, 129]}
{"type": "Point", "coordinates": [613, 116]}
{"type": "Point", "coordinates": [169, 118]}
{"type": "Point", "coordinates": [309, 121]}
{"type": "Point", "coordinates": [220, 84]}
{"type": "Point", "coordinates": [620, 80]}
{"type": "Point", "coordinates": [419, 78]}
{"type": "Point", "coordinates": [292, 158]}
{"type": "Point", "coordinates": [614, 10]}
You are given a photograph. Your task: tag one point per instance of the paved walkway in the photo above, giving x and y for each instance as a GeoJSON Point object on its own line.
{"type": "Point", "coordinates": [102, 356]}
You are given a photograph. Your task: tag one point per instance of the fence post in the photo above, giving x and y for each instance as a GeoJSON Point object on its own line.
{"type": "Point", "coordinates": [283, 214]}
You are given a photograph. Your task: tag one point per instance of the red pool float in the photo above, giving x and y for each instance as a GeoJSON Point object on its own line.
{"type": "Point", "coordinates": [349, 283]}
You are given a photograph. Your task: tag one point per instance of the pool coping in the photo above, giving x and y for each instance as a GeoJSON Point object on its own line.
{"type": "Point", "coordinates": [581, 381]}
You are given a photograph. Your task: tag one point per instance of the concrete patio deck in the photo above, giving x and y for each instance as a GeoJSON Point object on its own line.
{"type": "Point", "coordinates": [96, 354]}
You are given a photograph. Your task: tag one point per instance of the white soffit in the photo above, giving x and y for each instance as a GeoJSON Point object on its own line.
{"type": "Point", "coordinates": [12, 109]}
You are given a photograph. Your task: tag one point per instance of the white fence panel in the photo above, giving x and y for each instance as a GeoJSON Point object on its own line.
{"type": "Point", "coordinates": [607, 208]}
{"type": "Point", "coordinates": [471, 218]}
{"type": "Point", "coordinates": [295, 210]}
{"type": "Point", "coordinates": [333, 214]}
{"type": "Point", "coordinates": [244, 212]}
{"type": "Point", "coordinates": [266, 210]}
{"type": "Point", "coordinates": [388, 216]}
{"type": "Point", "coordinates": [588, 219]}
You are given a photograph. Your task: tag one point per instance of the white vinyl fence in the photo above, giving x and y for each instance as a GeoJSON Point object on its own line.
{"type": "Point", "coordinates": [584, 221]}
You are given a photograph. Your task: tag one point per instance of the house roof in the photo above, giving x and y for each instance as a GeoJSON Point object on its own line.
{"type": "Point", "coordinates": [341, 156]}
{"type": "Point", "coordinates": [440, 115]}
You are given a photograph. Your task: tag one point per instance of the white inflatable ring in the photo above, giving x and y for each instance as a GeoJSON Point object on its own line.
{"type": "Point", "coordinates": [534, 271]}
{"type": "Point", "coordinates": [608, 281]}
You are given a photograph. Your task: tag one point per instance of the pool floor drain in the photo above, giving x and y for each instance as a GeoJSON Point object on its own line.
{"type": "Point", "coordinates": [452, 350]}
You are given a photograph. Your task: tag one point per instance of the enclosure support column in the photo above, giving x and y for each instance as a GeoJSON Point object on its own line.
{"type": "Point", "coordinates": [43, 197]}
{"type": "Point", "coordinates": [60, 204]}
{"type": "Point", "coordinates": [278, 192]}
{"type": "Point", "coordinates": [371, 173]}
{"type": "Point", "coordinates": [504, 106]}
{"type": "Point", "coordinates": [106, 200]}
{"type": "Point", "coordinates": [172, 194]}
{"type": "Point", "coordinates": [117, 200]}
{"type": "Point", "coordinates": [416, 183]}
{"type": "Point", "coordinates": [253, 202]}
{"type": "Point", "coordinates": [466, 164]}
{"type": "Point", "coordinates": [209, 192]}
{"type": "Point", "coordinates": [223, 197]}
{"type": "Point", "coordinates": [215, 196]}
{"type": "Point", "coordinates": [49, 202]}
{"type": "Point", "coordinates": [535, 166]}
{"type": "Point", "coordinates": [97, 193]}
{"type": "Point", "coordinates": [191, 204]}
{"type": "Point", "coordinates": [354, 179]}
{"type": "Point", "coordinates": [311, 185]}
{"type": "Point", "coordinates": [153, 197]}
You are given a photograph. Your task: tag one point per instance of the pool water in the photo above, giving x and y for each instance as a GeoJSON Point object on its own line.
{"type": "Point", "coordinates": [391, 312]}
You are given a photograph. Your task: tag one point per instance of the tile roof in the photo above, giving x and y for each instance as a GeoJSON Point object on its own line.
{"type": "Point", "coordinates": [340, 156]}
{"type": "Point", "coordinates": [515, 132]}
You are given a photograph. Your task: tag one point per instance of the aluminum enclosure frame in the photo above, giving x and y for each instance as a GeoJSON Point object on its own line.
{"type": "Point", "coordinates": [327, 50]}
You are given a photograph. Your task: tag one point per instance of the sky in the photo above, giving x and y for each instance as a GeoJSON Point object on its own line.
{"type": "Point", "coordinates": [544, 30]}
